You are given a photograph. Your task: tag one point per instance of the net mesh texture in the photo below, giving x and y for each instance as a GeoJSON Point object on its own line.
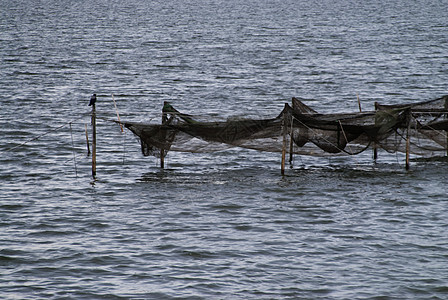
{"type": "Point", "coordinates": [304, 131]}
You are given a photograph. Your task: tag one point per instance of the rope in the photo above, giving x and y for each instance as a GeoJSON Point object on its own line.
{"type": "Point", "coordinates": [336, 146]}
{"type": "Point", "coordinates": [44, 134]}
{"type": "Point", "coordinates": [343, 132]}
{"type": "Point", "coordinates": [418, 145]}
{"type": "Point", "coordinates": [351, 152]}
{"type": "Point", "coordinates": [118, 115]}
{"type": "Point", "coordinates": [441, 133]}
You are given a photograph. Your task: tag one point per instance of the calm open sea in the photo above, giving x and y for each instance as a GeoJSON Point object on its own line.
{"type": "Point", "coordinates": [220, 225]}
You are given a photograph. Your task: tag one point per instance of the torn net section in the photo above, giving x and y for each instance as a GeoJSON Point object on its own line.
{"type": "Point", "coordinates": [307, 131]}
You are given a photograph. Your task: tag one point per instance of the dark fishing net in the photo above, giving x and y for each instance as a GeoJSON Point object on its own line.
{"type": "Point", "coordinates": [426, 125]}
{"type": "Point", "coordinates": [302, 130]}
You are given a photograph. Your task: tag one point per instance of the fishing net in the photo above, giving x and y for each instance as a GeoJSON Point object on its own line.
{"type": "Point", "coordinates": [426, 126]}
{"type": "Point", "coordinates": [301, 130]}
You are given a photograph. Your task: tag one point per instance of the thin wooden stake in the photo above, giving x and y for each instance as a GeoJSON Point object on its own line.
{"type": "Point", "coordinates": [118, 115]}
{"type": "Point", "coordinates": [446, 117]}
{"type": "Point", "coordinates": [93, 141]}
{"type": "Point", "coordinates": [283, 147]}
{"type": "Point", "coordinates": [408, 141]}
{"type": "Point", "coordinates": [359, 102]}
{"type": "Point", "coordinates": [87, 141]}
{"type": "Point", "coordinates": [162, 151]}
{"type": "Point", "coordinates": [291, 142]}
{"type": "Point", "coordinates": [375, 148]}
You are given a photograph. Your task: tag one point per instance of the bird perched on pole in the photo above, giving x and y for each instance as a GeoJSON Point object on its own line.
{"type": "Point", "coordinates": [92, 100]}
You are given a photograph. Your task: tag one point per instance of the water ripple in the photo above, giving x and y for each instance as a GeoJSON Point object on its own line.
{"type": "Point", "coordinates": [219, 225]}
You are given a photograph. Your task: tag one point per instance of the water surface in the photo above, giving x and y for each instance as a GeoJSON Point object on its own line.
{"type": "Point", "coordinates": [220, 225]}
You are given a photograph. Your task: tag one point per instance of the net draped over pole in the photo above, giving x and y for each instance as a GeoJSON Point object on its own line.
{"type": "Point", "coordinates": [419, 128]}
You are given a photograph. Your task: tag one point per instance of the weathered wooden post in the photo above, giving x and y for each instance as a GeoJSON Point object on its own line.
{"type": "Point", "coordinates": [92, 103]}
{"type": "Point", "coordinates": [446, 117]}
{"type": "Point", "coordinates": [375, 150]}
{"type": "Point", "coordinates": [162, 151]}
{"type": "Point", "coordinates": [291, 142]}
{"type": "Point", "coordinates": [284, 145]}
{"type": "Point", "coordinates": [408, 139]}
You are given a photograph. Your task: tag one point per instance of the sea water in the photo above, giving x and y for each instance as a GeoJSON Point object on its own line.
{"type": "Point", "coordinates": [222, 225]}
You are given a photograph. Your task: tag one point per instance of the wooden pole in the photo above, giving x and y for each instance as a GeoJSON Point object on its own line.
{"type": "Point", "coordinates": [291, 141]}
{"type": "Point", "coordinates": [359, 102]}
{"type": "Point", "coordinates": [118, 115]}
{"type": "Point", "coordinates": [446, 117]}
{"type": "Point", "coordinates": [408, 141]}
{"type": "Point", "coordinates": [283, 147]}
{"type": "Point", "coordinates": [375, 150]}
{"type": "Point", "coordinates": [162, 151]}
{"type": "Point", "coordinates": [93, 141]}
{"type": "Point", "coordinates": [87, 141]}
